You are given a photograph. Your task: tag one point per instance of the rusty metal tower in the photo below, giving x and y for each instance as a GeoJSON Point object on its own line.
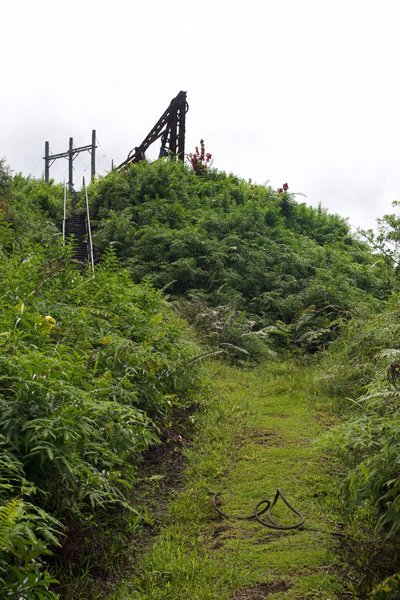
{"type": "Point", "coordinates": [170, 128]}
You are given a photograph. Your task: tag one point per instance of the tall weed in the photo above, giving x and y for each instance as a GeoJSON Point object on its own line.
{"type": "Point", "coordinates": [362, 369]}
{"type": "Point", "coordinates": [90, 369]}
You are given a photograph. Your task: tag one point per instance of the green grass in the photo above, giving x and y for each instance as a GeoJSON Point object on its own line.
{"type": "Point", "coordinates": [255, 435]}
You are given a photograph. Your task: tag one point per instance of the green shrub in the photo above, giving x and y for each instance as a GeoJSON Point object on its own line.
{"type": "Point", "coordinates": [91, 368]}
{"type": "Point", "coordinates": [34, 209]}
{"type": "Point", "coordinates": [236, 244]}
{"type": "Point", "coordinates": [362, 369]}
{"type": "Point", "coordinates": [226, 330]}
{"type": "Point", "coordinates": [26, 535]}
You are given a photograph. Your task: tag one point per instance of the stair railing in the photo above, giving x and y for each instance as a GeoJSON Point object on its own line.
{"type": "Point", "coordinates": [89, 229]}
{"type": "Point", "coordinates": [65, 213]}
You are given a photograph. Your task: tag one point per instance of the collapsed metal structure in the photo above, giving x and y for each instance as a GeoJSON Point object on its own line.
{"type": "Point", "coordinates": [170, 128]}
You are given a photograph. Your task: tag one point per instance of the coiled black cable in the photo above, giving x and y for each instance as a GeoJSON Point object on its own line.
{"type": "Point", "coordinates": [267, 508]}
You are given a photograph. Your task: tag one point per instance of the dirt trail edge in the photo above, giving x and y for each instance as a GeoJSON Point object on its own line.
{"type": "Point", "coordinates": [255, 435]}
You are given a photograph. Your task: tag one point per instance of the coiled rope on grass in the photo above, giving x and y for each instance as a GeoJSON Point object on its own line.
{"type": "Point", "coordinates": [264, 507]}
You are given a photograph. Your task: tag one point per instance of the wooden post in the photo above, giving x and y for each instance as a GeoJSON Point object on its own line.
{"type": "Point", "coordinates": [70, 164]}
{"type": "Point", "coordinates": [46, 162]}
{"type": "Point", "coordinates": [93, 152]}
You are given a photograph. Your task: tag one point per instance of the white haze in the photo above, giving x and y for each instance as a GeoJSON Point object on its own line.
{"type": "Point", "coordinates": [297, 91]}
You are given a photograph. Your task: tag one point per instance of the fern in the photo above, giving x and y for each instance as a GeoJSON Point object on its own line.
{"type": "Point", "coordinates": [25, 535]}
{"type": "Point", "coordinates": [10, 513]}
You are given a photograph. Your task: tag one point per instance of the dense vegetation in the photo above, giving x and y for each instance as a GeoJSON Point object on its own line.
{"type": "Point", "coordinates": [93, 367]}
{"type": "Point", "coordinates": [271, 270]}
{"type": "Point", "coordinates": [362, 370]}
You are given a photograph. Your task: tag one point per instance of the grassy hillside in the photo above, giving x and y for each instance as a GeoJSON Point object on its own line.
{"type": "Point", "coordinates": [217, 241]}
{"type": "Point", "coordinates": [93, 369]}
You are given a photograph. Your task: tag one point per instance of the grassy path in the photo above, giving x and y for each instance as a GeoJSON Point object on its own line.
{"type": "Point", "coordinates": [256, 435]}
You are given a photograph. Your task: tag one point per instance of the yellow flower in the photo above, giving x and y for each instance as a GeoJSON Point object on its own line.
{"type": "Point", "coordinates": [51, 321]}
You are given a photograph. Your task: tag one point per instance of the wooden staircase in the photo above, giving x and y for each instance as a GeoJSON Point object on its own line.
{"type": "Point", "coordinates": [76, 226]}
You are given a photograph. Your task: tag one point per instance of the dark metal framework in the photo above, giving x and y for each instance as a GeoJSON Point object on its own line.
{"type": "Point", "coordinates": [170, 128]}
{"type": "Point", "coordinates": [71, 154]}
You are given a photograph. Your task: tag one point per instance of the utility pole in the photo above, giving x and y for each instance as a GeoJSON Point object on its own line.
{"type": "Point", "coordinates": [71, 164]}
{"type": "Point", "coordinates": [93, 153]}
{"type": "Point", "coordinates": [71, 154]}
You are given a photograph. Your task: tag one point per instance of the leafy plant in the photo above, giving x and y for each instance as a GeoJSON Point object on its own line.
{"type": "Point", "coordinates": [237, 244]}
{"type": "Point", "coordinates": [389, 589]}
{"type": "Point", "coordinates": [226, 330]}
{"type": "Point", "coordinates": [199, 159]}
{"type": "Point", "coordinates": [5, 178]}
{"type": "Point", "coordinates": [90, 370]}
{"type": "Point", "coordinates": [361, 367]}
{"type": "Point", "coordinates": [25, 534]}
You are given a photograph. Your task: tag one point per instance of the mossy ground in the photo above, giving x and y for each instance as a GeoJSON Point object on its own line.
{"type": "Point", "coordinates": [256, 435]}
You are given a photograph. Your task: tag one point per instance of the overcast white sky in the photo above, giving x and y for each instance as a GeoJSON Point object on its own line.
{"type": "Point", "coordinates": [299, 91]}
